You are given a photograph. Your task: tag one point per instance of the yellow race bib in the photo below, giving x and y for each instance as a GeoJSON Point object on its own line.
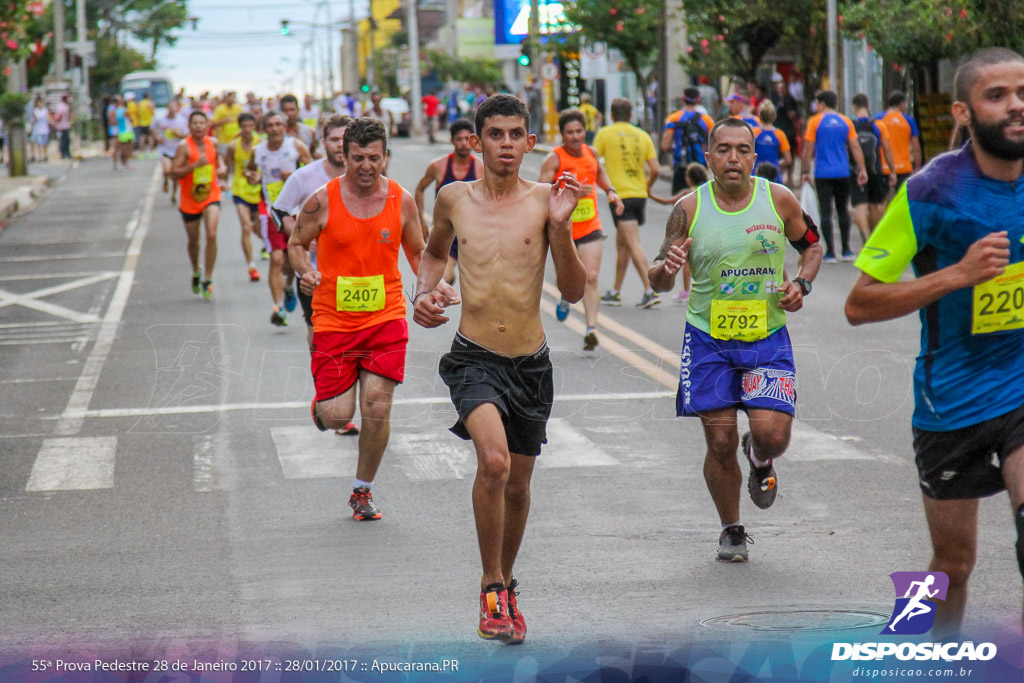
{"type": "Point", "coordinates": [203, 175]}
{"type": "Point", "coordinates": [274, 191]}
{"type": "Point", "coordinates": [361, 294]}
{"type": "Point", "coordinates": [585, 210]}
{"type": "Point", "coordinates": [169, 134]}
{"type": "Point", "coordinates": [740, 320]}
{"type": "Point", "coordinates": [202, 182]}
{"type": "Point", "coordinates": [999, 303]}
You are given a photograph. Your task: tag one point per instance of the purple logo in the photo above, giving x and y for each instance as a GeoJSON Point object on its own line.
{"type": "Point", "coordinates": [916, 595]}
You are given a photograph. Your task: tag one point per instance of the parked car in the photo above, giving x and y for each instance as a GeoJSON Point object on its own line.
{"type": "Point", "coordinates": [400, 114]}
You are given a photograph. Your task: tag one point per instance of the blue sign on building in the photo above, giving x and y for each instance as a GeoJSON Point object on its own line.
{"type": "Point", "coordinates": [512, 20]}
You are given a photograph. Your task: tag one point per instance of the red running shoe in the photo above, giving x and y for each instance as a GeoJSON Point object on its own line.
{"type": "Point", "coordinates": [349, 429]}
{"type": "Point", "coordinates": [361, 502]}
{"type": "Point", "coordinates": [515, 616]}
{"type": "Point", "coordinates": [494, 621]}
{"type": "Point", "coordinates": [254, 275]}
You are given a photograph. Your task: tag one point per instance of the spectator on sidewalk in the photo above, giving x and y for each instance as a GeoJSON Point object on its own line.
{"type": "Point", "coordinates": [62, 122]}
{"type": "Point", "coordinates": [40, 136]}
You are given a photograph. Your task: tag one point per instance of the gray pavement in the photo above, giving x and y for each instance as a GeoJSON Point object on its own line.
{"type": "Point", "coordinates": [164, 493]}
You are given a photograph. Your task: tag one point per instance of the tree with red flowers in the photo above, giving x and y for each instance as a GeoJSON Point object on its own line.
{"type": "Point", "coordinates": [630, 26]}
{"type": "Point", "coordinates": [16, 27]}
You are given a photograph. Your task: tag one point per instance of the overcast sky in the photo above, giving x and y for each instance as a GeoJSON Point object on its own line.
{"type": "Point", "coordinates": [238, 44]}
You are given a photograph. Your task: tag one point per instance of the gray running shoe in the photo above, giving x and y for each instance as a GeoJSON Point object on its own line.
{"type": "Point", "coordinates": [732, 544]}
{"type": "Point", "coordinates": [278, 318]}
{"type": "Point", "coordinates": [762, 484]}
{"type": "Point", "coordinates": [612, 299]}
{"type": "Point", "coordinates": [649, 300]}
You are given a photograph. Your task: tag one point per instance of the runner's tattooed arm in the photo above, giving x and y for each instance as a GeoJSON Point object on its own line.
{"type": "Point", "coordinates": [672, 256]}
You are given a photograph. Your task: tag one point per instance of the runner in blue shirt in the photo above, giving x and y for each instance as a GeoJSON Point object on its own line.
{"type": "Point", "coordinates": [959, 222]}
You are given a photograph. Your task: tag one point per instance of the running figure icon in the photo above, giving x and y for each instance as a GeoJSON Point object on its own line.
{"type": "Point", "coordinates": [917, 606]}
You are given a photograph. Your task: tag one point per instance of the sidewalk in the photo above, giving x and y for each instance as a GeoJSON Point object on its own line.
{"type": "Point", "coordinates": [19, 195]}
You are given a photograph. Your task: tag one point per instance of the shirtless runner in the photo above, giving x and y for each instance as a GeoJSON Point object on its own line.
{"type": "Point", "coordinates": [498, 370]}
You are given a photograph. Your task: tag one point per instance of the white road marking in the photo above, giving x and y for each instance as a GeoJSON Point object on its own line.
{"type": "Point", "coordinates": [204, 478]}
{"type": "Point", "coordinates": [72, 418]}
{"type": "Point", "coordinates": [62, 257]}
{"type": "Point", "coordinates": [304, 405]}
{"type": "Point", "coordinates": [569, 447]}
{"type": "Point", "coordinates": [32, 299]}
{"type": "Point", "coordinates": [432, 456]}
{"type": "Point", "coordinates": [307, 453]}
{"type": "Point", "coordinates": [74, 464]}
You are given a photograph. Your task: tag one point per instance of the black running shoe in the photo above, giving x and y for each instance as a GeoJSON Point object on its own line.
{"type": "Point", "coordinates": [732, 544]}
{"type": "Point", "coordinates": [762, 484]}
{"type": "Point", "coordinates": [361, 502]}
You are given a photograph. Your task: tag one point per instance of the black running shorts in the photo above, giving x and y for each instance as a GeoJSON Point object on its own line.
{"type": "Point", "coordinates": [634, 209]}
{"type": "Point", "coordinates": [967, 462]}
{"type": "Point", "coordinates": [520, 387]}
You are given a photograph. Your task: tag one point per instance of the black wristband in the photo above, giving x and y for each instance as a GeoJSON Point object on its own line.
{"type": "Point", "coordinates": [417, 297]}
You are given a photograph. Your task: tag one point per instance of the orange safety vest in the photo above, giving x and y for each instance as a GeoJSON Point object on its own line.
{"type": "Point", "coordinates": [360, 285]}
{"type": "Point", "coordinates": [199, 188]}
{"type": "Point", "coordinates": [584, 219]}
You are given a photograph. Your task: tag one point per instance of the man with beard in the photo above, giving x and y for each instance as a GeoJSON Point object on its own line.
{"type": "Point", "coordinates": [295, 128]}
{"type": "Point", "coordinates": [959, 221]}
{"type": "Point", "coordinates": [737, 354]}
{"type": "Point", "coordinates": [459, 166]}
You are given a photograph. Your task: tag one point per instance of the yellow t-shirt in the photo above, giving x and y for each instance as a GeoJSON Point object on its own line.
{"type": "Point", "coordinates": [133, 112]}
{"type": "Point", "coordinates": [590, 113]}
{"type": "Point", "coordinates": [626, 150]}
{"type": "Point", "coordinates": [146, 113]}
{"type": "Point", "coordinates": [229, 131]}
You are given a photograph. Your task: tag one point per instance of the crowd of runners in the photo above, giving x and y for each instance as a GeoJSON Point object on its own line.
{"type": "Point", "coordinates": [313, 190]}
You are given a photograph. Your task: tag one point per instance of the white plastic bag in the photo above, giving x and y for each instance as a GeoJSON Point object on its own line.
{"type": "Point", "coordinates": [809, 202]}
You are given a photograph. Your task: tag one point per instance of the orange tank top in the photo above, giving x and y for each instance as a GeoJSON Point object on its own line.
{"type": "Point", "coordinates": [360, 284]}
{"type": "Point", "coordinates": [584, 219]}
{"type": "Point", "coordinates": [199, 188]}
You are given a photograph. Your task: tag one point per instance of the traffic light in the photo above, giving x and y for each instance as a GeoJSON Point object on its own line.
{"type": "Point", "coordinates": [285, 31]}
{"type": "Point", "coordinates": [526, 53]}
{"type": "Point", "coordinates": [366, 87]}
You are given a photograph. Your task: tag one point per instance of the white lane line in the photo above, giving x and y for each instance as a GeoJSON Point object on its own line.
{"type": "Point", "coordinates": [307, 453]}
{"type": "Point", "coordinates": [433, 456]}
{"type": "Point", "coordinates": [71, 420]}
{"type": "Point", "coordinates": [74, 464]}
{"type": "Point", "coordinates": [568, 447]}
{"type": "Point", "coordinates": [52, 276]}
{"type": "Point", "coordinates": [807, 444]}
{"type": "Point", "coordinates": [204, 477]}
{"type": "Point", "coordinates": [286, 405]}
{"type": "Point", "coordinates": [61, 257]}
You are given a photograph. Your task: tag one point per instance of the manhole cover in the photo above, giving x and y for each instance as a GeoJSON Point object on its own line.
{"type": "Point", "coordinates": [798, 620]}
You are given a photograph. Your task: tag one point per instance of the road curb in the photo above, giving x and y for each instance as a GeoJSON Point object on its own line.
{"type": "Point", "coordinates": [20, 200]}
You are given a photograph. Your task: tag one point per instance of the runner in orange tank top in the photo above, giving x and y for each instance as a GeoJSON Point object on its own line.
{"type": "Point", "coordinates": [580, 159]}
{"type": "Point", "coordinates": [359, 328]}
{"type": "Point", "coordinates": [199, 171]}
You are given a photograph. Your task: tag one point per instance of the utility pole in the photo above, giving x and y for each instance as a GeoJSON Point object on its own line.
{"type": "Point", "coordinates": [58, 38]}
{"type": "Point", "coordinates": [413, 26]}
{"type": "Point", "coordinates": [534, 38]}
{"type": "Point", "coordinates": [330, 52]}
{"type": "Point", "coordinates": [833, 73]}
{"type": "Point", "coordinates": [84, 100]}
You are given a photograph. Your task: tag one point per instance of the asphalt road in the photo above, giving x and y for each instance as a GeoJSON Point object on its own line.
{"type": "Point", "coordinates": [164, 494]}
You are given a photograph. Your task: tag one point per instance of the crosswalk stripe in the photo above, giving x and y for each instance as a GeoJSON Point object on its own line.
{"type": "Point", "coordinates": [306, 453]}
{"type": "Point", "coordinates": [569, 447]}
{"type": "Point", "coordinates": [74, 464]}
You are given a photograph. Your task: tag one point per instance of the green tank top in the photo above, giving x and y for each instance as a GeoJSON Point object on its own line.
{"type": "Point", "coordinates": [737, 262]}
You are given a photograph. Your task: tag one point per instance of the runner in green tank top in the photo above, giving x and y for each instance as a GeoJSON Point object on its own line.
{"type": "Point", "coordinates": [736, 348]}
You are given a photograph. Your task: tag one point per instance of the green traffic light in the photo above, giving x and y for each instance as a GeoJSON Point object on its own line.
{"type": "Point", "coordinates": [365, 88]}
{"type": "Point", "coordinates": [524, 60]}
{"type": "Point", "coordinates": [285, 30]}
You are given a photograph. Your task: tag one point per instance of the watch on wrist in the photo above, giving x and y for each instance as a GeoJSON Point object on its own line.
{"type": "Point", "coordinates": [805, 285]}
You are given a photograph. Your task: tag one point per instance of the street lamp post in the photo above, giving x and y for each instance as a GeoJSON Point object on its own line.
{"type": "Point", "coordinates": [414, 53]}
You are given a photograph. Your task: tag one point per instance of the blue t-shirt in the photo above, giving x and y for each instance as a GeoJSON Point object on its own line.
{"type": "Point", "coordinates": [830, 132]}
{"type": "Point", "coordinates": [768, 145]}
{"type": "Point", "coordinates": [965, 374]}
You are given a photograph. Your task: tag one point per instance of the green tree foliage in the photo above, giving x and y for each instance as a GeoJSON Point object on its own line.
{"type": "Point", "coordinates": [152, 22]}
{"type": "Point", "coordinates": [113, 61]}
{"type": "Point", "coordinates": [919, 33]}
{"type": "Point", "coordinates": [473, 70]}
{"type": "Point", "coordinates": [18, 27]}
{"type": "Point", "coordinates": [732, 37]}
{"type": "Point", "coordinates": [630, 26]}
